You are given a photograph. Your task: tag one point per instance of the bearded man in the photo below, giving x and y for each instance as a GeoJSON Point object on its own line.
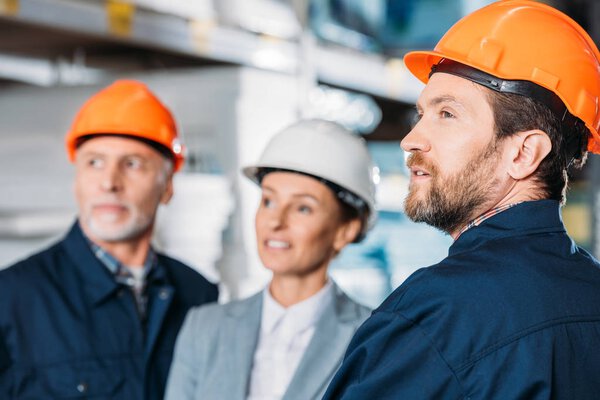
{"type": "Point", "coordinates": [96, 315]}
{"type": "Point", "coordinates": [511, 102]}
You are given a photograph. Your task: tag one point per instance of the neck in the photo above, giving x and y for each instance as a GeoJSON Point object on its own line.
{"type": "Point", "coordinates": [289, 290]}
{"type": "Point", "coordinates": [130, 252]}
{"type": "Point", "coordinates": [520, 191]}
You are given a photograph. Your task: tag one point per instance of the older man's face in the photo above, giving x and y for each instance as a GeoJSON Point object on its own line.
{"type": "Point", "coordinates": [454, 154]}
{"type": "Point", "coordinates": [119, 184]}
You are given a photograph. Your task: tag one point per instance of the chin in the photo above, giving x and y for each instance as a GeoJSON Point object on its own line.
{"type": "Point", "coordinates": [280, 270]}
{"type": "Point", "coordinates": [274, 266]}
{"type": "Point", "coordinates": [115, 232]}
{"type": "Point", "coordinates": [109, 235]}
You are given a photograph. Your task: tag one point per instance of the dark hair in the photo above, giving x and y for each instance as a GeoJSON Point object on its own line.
{"type": "Point", "coordinates": [515, 113]}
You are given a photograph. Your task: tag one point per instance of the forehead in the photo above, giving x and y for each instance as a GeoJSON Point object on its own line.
{"type": "Point", "coordinates": [445, 88]}
{"type": "Point", "coordinates": [295, 184]}
{"type": "Point", "coordinates": [116, 146]}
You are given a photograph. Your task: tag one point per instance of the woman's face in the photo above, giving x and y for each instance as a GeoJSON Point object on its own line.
{"type": "Point", "coordinates": [299, 228]}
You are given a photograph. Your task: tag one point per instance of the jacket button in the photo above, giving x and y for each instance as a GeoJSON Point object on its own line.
{"type": "Point", "coordinates": [82, 387]}
{"type": "Point", "coordinates": [163, 294]}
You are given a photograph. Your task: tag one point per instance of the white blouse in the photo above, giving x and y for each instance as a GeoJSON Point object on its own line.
{"type": "Point", "coordinates": [284, 336]}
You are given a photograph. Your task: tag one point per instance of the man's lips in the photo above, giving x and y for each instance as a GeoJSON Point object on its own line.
{"type": "Point", "coordinates": [419, 167]}
{"type": "Point", "coordinates": [107, 207]}
{"type": "Point", "coordinates": [418, 172]}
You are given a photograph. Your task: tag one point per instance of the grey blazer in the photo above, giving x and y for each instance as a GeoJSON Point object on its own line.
{"type": "Point", "coordinates": [215, 349]}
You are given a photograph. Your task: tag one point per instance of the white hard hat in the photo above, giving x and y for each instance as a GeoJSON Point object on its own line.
{"type": "Point", "coordinates": [327, 151]}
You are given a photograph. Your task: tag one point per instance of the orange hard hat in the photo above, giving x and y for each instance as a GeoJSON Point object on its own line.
{"type": "Point", "coordinates": [129, 108]}
{"type": "Point", "coordinates": [521, 41]}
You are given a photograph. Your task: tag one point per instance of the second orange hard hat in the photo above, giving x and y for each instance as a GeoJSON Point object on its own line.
{"type": "Point", "coordinates": [127, 107]}
{"type": "Point", "coordinates": [520, 40]}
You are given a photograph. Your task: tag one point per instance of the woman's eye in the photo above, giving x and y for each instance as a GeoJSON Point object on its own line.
{"type": "Point", "coordinates": [267, 203]}
{"type": "Point", "coordinates": [304, 209]}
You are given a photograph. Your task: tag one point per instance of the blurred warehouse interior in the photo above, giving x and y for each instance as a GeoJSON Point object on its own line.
{"type": "Point", "coordinates": [233, 72]}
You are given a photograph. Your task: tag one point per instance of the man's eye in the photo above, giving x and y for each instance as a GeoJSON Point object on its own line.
{"type": "Point", "coordinates": [133, 163]}
{"type": "Point", "coordinates": [95, 162]}
{"type": "Point", "coordinates": [447, 114]}
{"type": "Point", "coordinates": [415, 118]}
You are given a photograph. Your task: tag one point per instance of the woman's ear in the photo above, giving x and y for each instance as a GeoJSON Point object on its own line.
{"type": "Point", "coordinates": [346, 234]}
{"type": "Point", "coordinates": [528, 149]}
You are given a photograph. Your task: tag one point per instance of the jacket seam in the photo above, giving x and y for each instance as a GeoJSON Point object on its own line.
{"type": "Point", "coordinates": [432, 345]}
{"type": "Point", "coordinates": [523, 333]}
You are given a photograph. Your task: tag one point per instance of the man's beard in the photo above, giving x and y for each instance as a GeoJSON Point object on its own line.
{"type": "Point", "coordinates": [109, 231]}
{"type": "Point", "coordinates": [450, 203]}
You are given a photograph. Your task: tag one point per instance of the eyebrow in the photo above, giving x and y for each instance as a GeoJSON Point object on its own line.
{"type": "Point", "coordinates": [295, 195]}
{"type": "Point", "coordinates": [99, 153]}
{"type": "Point", "coordinates": [441, 99]}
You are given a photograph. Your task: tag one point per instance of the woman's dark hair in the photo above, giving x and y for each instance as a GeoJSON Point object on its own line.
{"type": "Point", "coordinates": [515, 113]}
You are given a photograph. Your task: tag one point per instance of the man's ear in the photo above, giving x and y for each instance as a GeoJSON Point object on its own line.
{"type": "Point", "coordinates": [528, 149]}
{"type": "Point", "coordinates": [168, 192]}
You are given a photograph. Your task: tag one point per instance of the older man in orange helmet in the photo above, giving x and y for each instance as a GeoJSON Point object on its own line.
{"type": "Point", "coordinates": [513, 312]}
{"type": "Point", "coordinates": [96, 315]}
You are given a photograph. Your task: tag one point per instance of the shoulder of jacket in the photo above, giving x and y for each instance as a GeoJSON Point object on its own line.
{"type": "Point", "coordinates": [433, 283]}
{"type": "Point", "coordinates": [215, 312]}
{"type": "Point", "coordinates": [33, 265]}
{"type": "Point", "coordinates": [182, 272]}
{"type": "Point", "coordinates": [348, 308]}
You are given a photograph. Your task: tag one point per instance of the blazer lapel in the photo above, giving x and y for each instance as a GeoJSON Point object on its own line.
{"type": "Point", "coordinates": [326, 350]}
{"type": "Point", "coordinates": [243, 328]}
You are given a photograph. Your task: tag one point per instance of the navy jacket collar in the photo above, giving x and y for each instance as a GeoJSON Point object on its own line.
{"type": "Point", "coordinates": [97, 280]}
{"type": "Point", "coordinates": [540, 216]}
{"type": "Point", "coordinates": [99, 283]}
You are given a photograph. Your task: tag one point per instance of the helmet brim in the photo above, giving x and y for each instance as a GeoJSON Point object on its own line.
{"type": "Point", "coordinates": [419, 63]}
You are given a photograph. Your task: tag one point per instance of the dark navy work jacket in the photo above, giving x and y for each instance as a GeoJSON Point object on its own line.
{"type": "Point", "coordinates": [513, 312]}
{"type": "Point", "coordinates": [69, 331]}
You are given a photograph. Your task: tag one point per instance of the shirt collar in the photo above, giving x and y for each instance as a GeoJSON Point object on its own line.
{"type": "Point", "coordinates": [120, 272]}
{"type": "Point", "coordinates": [303, 314]}
{"type": "Point", "coordinates": [477, 221]}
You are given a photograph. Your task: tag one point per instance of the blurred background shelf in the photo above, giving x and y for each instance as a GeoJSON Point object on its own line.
{"type": "Point", "coordinates": [72, 42]}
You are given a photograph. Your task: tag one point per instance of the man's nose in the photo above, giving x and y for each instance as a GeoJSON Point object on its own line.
{"type": "Point", "coordinates": [415, 140]}
{"type": "Point", "coordinates": [111, 179]}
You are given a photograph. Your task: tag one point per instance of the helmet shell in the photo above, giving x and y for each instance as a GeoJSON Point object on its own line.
{"type": "Point", "coordinates": [127, 107]}
{"type": "Point", "coordinates": [326, 150]}
{"type": "Point", "coordinates": [525, 40]}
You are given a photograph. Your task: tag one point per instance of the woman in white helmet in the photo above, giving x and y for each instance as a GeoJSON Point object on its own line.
{"type": "Point", "coordinates": [287, 341]}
